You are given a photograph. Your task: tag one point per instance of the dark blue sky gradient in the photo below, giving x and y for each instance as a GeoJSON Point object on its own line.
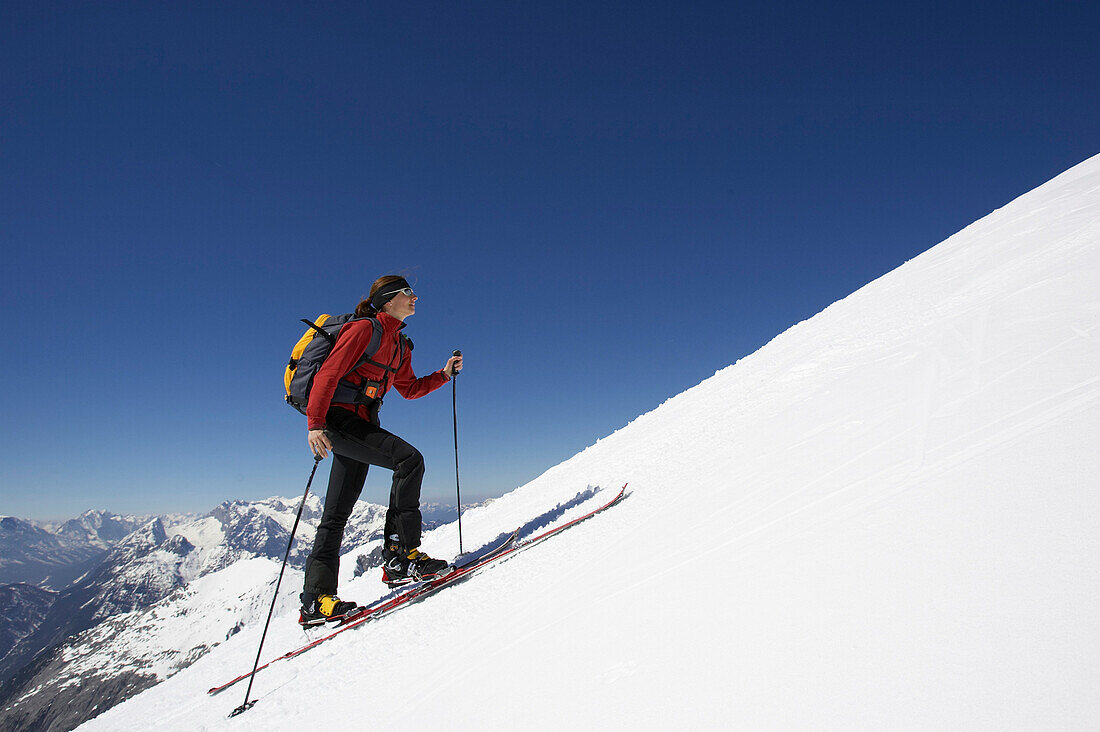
{"type": "Point", "coordinates": [600, 203]}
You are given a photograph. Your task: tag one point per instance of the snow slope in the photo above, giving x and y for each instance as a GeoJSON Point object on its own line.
{"type": "Point", "coordinates": [885, 518]}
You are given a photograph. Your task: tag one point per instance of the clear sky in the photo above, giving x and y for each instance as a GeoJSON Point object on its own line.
{"type": "Point", "coordinates": [600, 203]}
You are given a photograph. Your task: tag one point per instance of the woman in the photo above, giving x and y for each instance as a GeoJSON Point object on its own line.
{"type": "Point", "coordinates": [352, 433]}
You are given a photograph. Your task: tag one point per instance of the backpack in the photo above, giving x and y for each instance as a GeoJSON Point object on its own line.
{"type": "Point", "coordinates": [314, 347]}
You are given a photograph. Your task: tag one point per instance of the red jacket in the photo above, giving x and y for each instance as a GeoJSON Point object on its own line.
{"type": "Point", "coordinates": [350, 345]}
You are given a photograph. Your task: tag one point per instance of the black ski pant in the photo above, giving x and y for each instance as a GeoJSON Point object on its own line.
{"type": "Point", "coordinates": [356, 445]}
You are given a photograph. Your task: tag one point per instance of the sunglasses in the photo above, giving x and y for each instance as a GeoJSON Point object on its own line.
{"type": "Point", "coordinates": [406, 291]}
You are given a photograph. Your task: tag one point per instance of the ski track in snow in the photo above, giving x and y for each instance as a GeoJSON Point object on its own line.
{"type": "Point", "coordinates": [883, 519]}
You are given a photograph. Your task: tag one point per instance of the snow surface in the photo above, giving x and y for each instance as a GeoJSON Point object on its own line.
{"type": "Point", "coordinates": [204, 533]}
{"type": "Point", "coordinates": [886, 518]}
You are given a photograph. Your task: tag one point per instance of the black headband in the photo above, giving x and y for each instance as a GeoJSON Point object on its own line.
{"type": "Point", "coordinates": [387, 293]}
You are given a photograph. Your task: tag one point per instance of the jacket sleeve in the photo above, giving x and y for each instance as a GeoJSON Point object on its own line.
{"type": "Point", "coordinates": [409, 386]}
{"type": "Point", "coordinates": [350, 345]}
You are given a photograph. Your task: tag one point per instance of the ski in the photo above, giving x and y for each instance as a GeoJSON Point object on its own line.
{"type": "Point", "coordinates": [505, 547]}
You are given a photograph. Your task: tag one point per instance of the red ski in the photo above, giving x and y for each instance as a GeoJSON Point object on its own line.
{"type": "Point", "coordinates": [464, 567]}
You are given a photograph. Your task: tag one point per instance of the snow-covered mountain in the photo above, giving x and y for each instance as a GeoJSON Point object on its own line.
{"type": "Point", "coordinates": [101, 529]}
{"type": "Point", "coordinates": [53, 556]}
{"type": "Point", "coordinates": [163, 596]}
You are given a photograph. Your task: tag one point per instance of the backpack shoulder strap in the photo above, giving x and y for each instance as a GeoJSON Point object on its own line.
{"type": "Point", "coordinates": [372, 346]}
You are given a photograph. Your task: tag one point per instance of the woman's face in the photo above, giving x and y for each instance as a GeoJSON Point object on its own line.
{"type": "Point", "coordinates": [401, 306]}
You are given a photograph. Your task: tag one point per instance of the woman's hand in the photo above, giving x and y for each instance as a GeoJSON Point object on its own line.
{"type": "Point", "coordinates": [454, 365]}
{"type": "Point", "coordinates": [319, 443]}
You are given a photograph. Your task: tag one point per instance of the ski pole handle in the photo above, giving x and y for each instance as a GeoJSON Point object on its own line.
{"type": "Point", "coordinates": [456, 352]}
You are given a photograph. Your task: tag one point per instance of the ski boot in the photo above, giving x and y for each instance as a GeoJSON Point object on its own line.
{"type": "Point", "coordinates": [324, 609]}
{"type": "Point", "coordinates": [401, 567]}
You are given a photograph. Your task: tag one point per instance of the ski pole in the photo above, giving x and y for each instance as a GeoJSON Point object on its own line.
{"type": "Point", "coordinates": [244, 707]}
{"type": "Point", "coordinates": [454, 411]}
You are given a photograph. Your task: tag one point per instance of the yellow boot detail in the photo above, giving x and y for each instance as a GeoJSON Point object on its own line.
{"type": "Point", "coordinates": [327, 604]}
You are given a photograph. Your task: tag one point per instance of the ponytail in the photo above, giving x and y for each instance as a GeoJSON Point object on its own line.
{"type": "Point", "coordinates": [364, 310]}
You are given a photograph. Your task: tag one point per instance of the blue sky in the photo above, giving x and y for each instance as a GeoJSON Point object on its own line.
{"type": "Point", "coordinates": [601, 204]}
